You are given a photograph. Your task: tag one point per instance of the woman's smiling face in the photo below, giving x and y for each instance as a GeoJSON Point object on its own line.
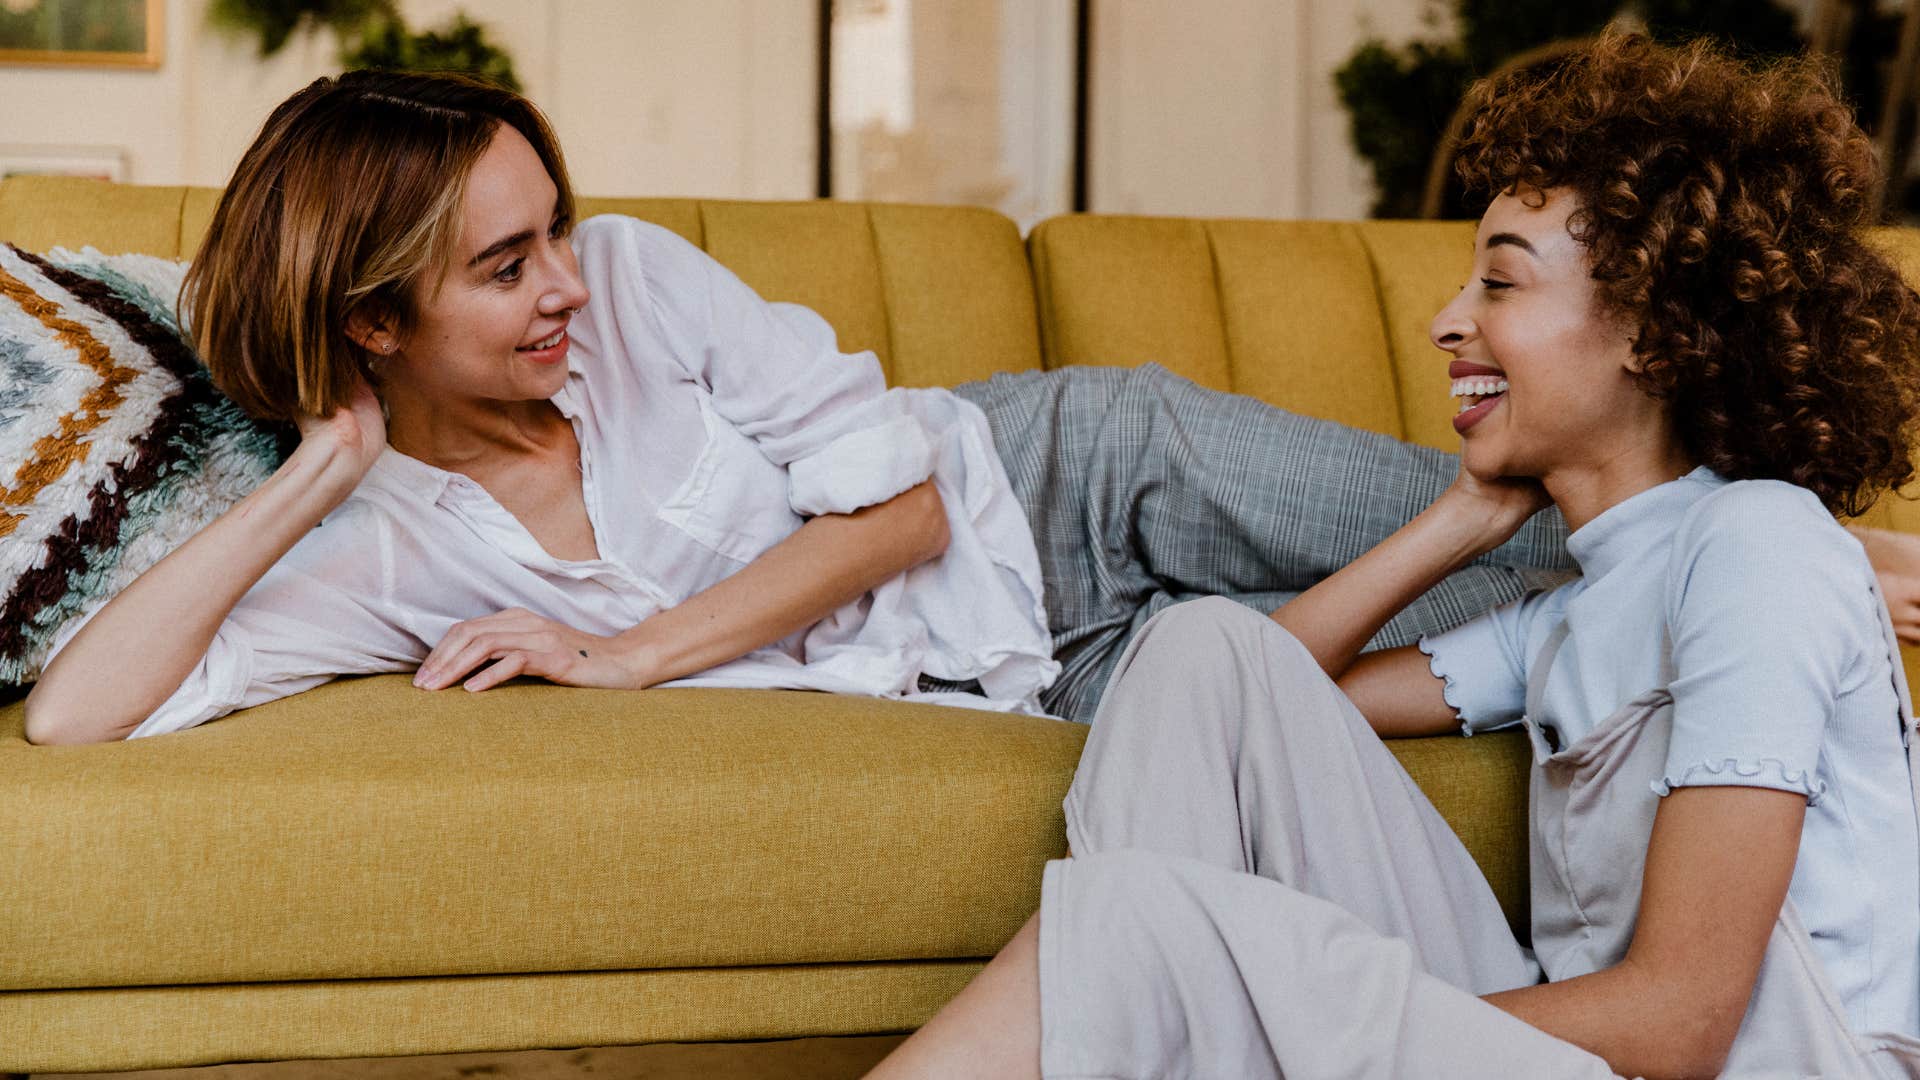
{"type": "Point", "coordinates": [1532, 321]}
{"type": "Point", "coordinates": [494, 328]}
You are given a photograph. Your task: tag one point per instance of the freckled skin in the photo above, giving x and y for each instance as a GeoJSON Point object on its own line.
{"type": "Point", "coordinates": [459, 362]}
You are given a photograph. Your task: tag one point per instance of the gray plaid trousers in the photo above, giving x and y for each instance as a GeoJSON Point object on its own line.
{"type": "Point", "coordinates": [1144, 490]}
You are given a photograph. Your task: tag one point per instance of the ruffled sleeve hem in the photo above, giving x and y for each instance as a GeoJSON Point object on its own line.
{"type": "Point", "coordinates": [1750, 772]}
{"type": "Point", "coordinates": [1448, 690]}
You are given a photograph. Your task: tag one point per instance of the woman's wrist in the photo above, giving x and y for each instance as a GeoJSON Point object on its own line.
{"type": "Point", "coordinates": [1456, 533]}
{"type": "Point", "coordinates": [640, 657]}
{"type": "Point", "coordinates": [327, 470]}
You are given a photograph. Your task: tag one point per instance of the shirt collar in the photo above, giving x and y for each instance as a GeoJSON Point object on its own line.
{"type": "Point", "coordinates": [1637, 525]}
{"type": "Point", "coordinates": [411, 474]}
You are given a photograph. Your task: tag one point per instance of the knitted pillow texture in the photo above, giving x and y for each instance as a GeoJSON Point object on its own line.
{"type": "Point", "coordinates": [114, 445]}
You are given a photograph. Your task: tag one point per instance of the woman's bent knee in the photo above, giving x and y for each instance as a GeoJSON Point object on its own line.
{"type": "Point", "coordinates": [1213, 630]}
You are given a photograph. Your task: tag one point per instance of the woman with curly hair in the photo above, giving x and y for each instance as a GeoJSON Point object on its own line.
{"type": "Point", "coordinates": [1677, 335]}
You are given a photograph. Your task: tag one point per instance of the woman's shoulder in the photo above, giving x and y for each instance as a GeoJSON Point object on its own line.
{"type": "Point", "coordinates": [1781, 515]}
{"type": "Point", "coordinates": [389, 500]}
{"type": "Point", "coordinates": [631, 236]}
{"type": "Point", "coordinates": [386, 525]}
{"type": "Point", "coordinates": [1768, 537]}
{"type": "Point", "coordinates": [638, 270]}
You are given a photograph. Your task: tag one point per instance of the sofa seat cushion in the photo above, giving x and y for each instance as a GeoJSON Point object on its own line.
{"type": "Point", "coordinates": [367, 829]}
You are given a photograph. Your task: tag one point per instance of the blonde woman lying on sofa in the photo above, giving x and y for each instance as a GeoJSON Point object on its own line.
{"type": "Point", "coordinates": [593, 455]}
{"type": "Point", "coordinates": [1707, 361]}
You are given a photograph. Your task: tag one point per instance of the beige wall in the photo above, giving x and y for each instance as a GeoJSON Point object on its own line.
{"type": "Point", "coordinates": [967, 101]}
{"type": "Point", "coordinates": [1231, 113]}
{"type": "Point", "coordinates": [670, 97]}
{"type": "Point", "coordinates": [1200, 106]}
{"type": "Point", "coordinates": [1227, 107]}
{"type": "Point", "coordinates": [1209, 107]}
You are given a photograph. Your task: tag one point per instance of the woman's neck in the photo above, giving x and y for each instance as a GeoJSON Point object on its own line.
{"type": "Point", "coordinates": [1587, 490]}
{"type": "Point", "coordinates": [460, 434]}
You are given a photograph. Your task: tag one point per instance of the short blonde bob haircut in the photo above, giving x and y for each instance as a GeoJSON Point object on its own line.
{"type": "Point", "coordinates": [348, 201]}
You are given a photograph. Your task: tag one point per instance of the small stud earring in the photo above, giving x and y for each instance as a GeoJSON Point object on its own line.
{"type": "Point", "coordinates": [387, 348]}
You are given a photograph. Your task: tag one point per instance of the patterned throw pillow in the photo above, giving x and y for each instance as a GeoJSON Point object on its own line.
{"type": "Point", "coordinates": [114, 445]}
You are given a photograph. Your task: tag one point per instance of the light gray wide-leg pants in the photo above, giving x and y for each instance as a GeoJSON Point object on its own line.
{"type": "Point", "coordinates": [1259, 890]}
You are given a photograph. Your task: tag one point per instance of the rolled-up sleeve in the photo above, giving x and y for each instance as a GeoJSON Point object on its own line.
{"type": "Point", "coordinates": [315, 615]}
{"type": "Point", "coordinates": [1771, 607]}
{"type": "Point", "coordinates": [213, 688]}
{"type": "Point", "coordinates": [773, 370]}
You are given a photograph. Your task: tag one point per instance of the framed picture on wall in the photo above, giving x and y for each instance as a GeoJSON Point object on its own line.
{"type": "Point", "coordinates": [82, 33]}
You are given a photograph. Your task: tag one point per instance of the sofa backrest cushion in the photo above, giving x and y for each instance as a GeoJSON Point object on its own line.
{"type": "Point", "coordinates": [1324, 318]}
{"type": "Point", "coordinates": [941, 294]}
{"type": "Point", "coordinates": [1284, 311]}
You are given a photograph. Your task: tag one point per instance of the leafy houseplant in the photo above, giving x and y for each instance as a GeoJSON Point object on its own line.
{"type": "Point", "coordinates": [276, 21]}
{"type": "Point", "coordinates": [461, 45]}
{"type": "Point", "coordinates": [1401, 98]}
{"type": "Point", "coordinates": [372, 35]}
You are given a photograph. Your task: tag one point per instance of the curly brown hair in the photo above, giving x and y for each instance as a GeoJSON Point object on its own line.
{"type": "Point", "coordinates": [1722, 205]}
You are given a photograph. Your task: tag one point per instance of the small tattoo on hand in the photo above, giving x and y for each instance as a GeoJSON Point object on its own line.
{"type": "Point", "coordinates": [583, 652]}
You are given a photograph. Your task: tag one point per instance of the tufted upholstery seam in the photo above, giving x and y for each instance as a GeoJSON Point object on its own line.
{"type": "Point", "coordinates": [1220, 308]}
{"type": "Point", "coordinates": [890, 364]}
{"type": "Point", "coordinates": [1394, 359]}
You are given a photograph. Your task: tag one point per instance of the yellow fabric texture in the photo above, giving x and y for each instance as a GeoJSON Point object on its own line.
{"type": "Point", "coordinates": [368, 869]}
{"type": "Point", "coordinates": [173, 1026]}
{"type": "Point", "coordinates": [1279, 310]}
{"type": "Point", "coordinates": [370, 830]}
{"type": "Point", "coordinates": [39, 212]}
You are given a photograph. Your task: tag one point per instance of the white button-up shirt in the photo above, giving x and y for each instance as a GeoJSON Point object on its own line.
{"type": "Point", "coordinates": [711, 424]}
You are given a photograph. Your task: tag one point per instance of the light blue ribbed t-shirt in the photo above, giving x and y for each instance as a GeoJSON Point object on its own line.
{"type": "Point", "coordinates": [1781, 678]}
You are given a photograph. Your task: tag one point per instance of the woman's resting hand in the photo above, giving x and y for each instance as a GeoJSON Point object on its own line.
{"type": "Point", "coordinates": [1336, 617]}
{"type": "Point", "coordinates": [830, 561]}
{"type": "Point", "coordinates": [494, 648]}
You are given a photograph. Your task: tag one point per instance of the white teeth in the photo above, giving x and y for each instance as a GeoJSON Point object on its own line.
{"type": "Point", "coordinates": [1478, 386]}
{"type": "Point", "coordinates": [548, 343]}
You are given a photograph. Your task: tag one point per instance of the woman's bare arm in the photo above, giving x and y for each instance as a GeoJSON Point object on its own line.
{"type": "Point", "coordinates": [132, 655]}
{"type": "Point", "coordinates": [827, 563]}
{"type": "Point", "coordinates": [1718, 866]}
{"type": "Point", "coordinates": [1398, 693]}
{"type": "Point", "coordinates": [1395, 690]}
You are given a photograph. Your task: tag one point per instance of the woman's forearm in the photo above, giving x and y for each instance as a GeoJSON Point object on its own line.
{"type": "Point", "coordinates": [827, 563]}
{"type": "Point", "coordinates": [1644, 1021]}
{"type": "Point", "coordinates": [1630, 1016]}
{"type": "Point", "coordinates": [133, 654]}
{"type": "Point", "coordinates": [1337, 617]}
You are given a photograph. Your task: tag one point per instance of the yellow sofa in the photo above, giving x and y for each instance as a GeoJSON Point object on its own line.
{"type": "Point", "coordinates": [368, 870]}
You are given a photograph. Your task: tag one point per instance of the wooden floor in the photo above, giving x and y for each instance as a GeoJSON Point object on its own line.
{"type": "Point", "coordinates": [792, 1059]}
